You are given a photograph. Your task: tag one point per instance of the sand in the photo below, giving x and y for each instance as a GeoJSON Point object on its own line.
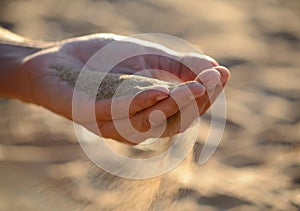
{"type": "Point", "coordinates": [111, 85]}
{"type": "Point", "coordinates": [257, 165]}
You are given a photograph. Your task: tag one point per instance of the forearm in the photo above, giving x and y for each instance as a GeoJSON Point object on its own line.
{"type": "Point", "coordinates": [13, 49]}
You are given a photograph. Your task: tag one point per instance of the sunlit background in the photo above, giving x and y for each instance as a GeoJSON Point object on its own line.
{"type": "Point", "coordinates": [257, 165]}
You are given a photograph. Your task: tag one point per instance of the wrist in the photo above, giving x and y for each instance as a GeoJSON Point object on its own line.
{"type": "Point", "coordinates": [13, 50]}
{"type": "Point", "coordinates": [11, 57]}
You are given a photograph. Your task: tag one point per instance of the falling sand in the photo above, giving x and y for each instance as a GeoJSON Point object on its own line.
{"type": "Point", "coordinates": [123, 194]}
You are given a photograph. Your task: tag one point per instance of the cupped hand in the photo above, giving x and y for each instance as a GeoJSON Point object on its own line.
{"type": "Point", "coordinates": [38, 83]}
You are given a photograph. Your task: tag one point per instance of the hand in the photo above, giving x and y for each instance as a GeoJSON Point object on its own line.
{"type": "Point", "coordinates": [39, 84]}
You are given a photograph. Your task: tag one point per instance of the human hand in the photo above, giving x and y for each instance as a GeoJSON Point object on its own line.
{"type": "Point", "coordinates": [39, 84]}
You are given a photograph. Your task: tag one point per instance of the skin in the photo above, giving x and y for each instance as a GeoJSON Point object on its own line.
{"type": "Point", "coordinates": [25, 74]}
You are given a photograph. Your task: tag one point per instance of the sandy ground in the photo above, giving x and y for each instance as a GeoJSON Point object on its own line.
{"type": "Point", "coordinates": [257, 165]}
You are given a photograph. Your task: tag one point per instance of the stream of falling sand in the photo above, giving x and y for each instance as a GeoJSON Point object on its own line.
{"type": "Point", "coordinates": [98, 190]}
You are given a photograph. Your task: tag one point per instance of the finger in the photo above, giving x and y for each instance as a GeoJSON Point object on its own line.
{"type": "Point", "coordinates": [225, 74]}
{"type": "Point", "coordinates": [211, 97]}
{"type": "Point", "coordinates": [184, 66]}
{"type": "Point", "coordinates": [135, 127]}
{"type": "Point", "coordinates": [174, 125]}
{"type": "Point", "coordinates": [209, 78]}
{"type": "Point", "coordinates": [121, 131]}
{"type": "Point", "coordinates": [109, 130]}
{"type": "Point", "coordinates": [198, 62]}
{"type": "Point", "coordinates": [202, 102]}
{"type": "Point", "coordinates": [179, 97]}
{"type": "Point", "coordinates": [181, 120]}
{"type": "Point", "coordinates": [125, 106]}
{"type": "Point", "coordinates": [147, 98]}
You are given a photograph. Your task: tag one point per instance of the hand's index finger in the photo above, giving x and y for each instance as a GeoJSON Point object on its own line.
{"type": "Point", "coordinates": [126, 106]}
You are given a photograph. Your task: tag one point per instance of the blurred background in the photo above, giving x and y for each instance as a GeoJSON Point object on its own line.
{"type": "Point", "coordinates": [257, 165]}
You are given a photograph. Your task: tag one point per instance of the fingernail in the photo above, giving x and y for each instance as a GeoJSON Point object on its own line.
{"type": "Point", "coordinates": [210, 78]}
{"type": "Point", "coordinates": [225, 74]}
